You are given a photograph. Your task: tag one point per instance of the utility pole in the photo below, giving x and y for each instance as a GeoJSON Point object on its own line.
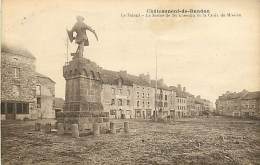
{"type": "Point", "coordinates": [155, 82]}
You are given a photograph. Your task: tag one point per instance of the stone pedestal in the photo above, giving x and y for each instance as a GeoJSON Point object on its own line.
{"type": "Point", "coordinates": [83, 94]}
{"type": "Point", "coordinates": [75, 130]}
{"type": "Point", "coordinates": [60, 128]}
{"type": "Point", "coordinates": [96, 129]}
{"type": "Point", "coordinates": [126, 126]}
{"type": "Point", "coordinates": [112, 128]}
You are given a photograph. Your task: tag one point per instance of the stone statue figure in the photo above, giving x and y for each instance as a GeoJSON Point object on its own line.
{"type": "Point", "coordinates": [81, 37]}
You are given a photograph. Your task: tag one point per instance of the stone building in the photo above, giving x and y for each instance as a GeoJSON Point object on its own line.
{"type": "Point", "coordinates": [181, 102]}
{"type": "Point", "coordinates": [199, 105]}
{"type": "Point", "coordinates": [117, 94]}
{"type": "Point", "coordinates": [244, 104]}
{"type": "Point", "coordinates": [18, 84]}
{"type": "Point", "coordinates": [164, 99]}
{"type": "Point", "coordinates": [45, 95]}
{"type": "Point", "coordinates": [191, 109]}
{"type": "Point", "coordinates": [126, 96]}
{"type": "Point", "coordinates": [144, 96]}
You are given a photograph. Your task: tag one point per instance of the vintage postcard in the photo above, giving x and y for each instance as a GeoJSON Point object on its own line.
{"type": "Point", "coordinates": [130, 82]}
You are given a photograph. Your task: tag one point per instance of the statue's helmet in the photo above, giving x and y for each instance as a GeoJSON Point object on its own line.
{"type": "Point", "coordinates": [80, 18]}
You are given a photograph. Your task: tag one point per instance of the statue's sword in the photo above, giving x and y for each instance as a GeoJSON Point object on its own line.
{"type": "Point", "coordinates": [95, 34]}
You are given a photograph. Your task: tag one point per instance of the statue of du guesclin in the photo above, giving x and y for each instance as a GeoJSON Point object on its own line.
{"type": "Point", "coordinates": [78, 33]}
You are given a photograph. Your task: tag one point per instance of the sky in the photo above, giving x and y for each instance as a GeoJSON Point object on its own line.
{"type": "Point", "coordinates": [208, 56]}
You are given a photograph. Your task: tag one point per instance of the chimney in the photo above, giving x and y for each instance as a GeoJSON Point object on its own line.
{"type": "Point", "coordinates": [145, 77]}
{"type": "Point", "coordinates": [179, 87]}
{"type": "Point", "coordinates": [160, 82]}
{"type": "Point", "coordinates": [122, 72]}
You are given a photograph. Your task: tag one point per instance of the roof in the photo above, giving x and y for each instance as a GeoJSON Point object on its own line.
{"type": "Point", "coordinates": [17, 50]}
{"type": "Point", "coordinates": [111, 77]}
{"type": "Point", "coordinates": [240, 95]}
{"type": "Point", "coordinates": [173, 88]}
{"type": "Point", "coordinates": [159, 85]}
{"type": "Point", "coordinates": [43, 76]}
{"type": "Point", "coordinates": [58, 102]}
{"type": "Point", "coordinates": [251, 95]}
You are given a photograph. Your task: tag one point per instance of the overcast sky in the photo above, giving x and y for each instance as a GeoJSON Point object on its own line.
{"type": "Point", "coordinates": [206, 55]}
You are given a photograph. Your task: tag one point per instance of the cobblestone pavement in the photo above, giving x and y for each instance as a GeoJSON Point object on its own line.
{"type": "Point", "coordinates": [214, 140]}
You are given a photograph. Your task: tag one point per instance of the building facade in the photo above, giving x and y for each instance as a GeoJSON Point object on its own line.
{"type": "Point", "coordinates": [45, 96]}
{"type": "Point", "coordinates": [181, 102]}
{"type": "Point", "coordinates": [116, 95]}
{"type": "Point", "coordinates": [241, 104]}
{"type": "Point", "coordinates": [19, 84]}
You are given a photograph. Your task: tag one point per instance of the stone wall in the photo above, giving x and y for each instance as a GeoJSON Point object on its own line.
{"type": "Point", "coordinates": [47, 95]}
{"type": "Point", "coordinates": [19, 88]}
{"type": "Point", "coordinates": [114, 108]}
{"type": "Point", "coordinates": [144, 99]}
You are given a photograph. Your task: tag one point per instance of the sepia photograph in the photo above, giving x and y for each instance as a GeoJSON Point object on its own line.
{"type": "Point", "coordinates": [168, 82]}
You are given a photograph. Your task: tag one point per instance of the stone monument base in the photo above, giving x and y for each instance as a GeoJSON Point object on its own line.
{"type": "Point", "coordinates": [85, 120]}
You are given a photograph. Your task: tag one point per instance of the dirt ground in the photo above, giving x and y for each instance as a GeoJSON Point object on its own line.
{"type": "Point", "coordinates": [214, 140]}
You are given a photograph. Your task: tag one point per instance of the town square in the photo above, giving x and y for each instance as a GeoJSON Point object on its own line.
{"type": "Point", "coordinates": [82, 84]}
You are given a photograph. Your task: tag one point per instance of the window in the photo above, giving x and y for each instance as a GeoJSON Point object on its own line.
{"type": "Point", "coordinates": [10, 108]}
{"type": "Point", "coordinates": [143, 104]}
{"type": "Point", "coordinates": [142, 95]}
{"type": "Point", "coordinates": [113, 102]}
{"type": "Point", "coordinates": [137, 103]}
{"type": "Point", "coordinates": [38, 90]}
{"type": "Point", "coordinates": [2, 108]}
{"type": "Point", "coordinates": [148, 103]}
{"type": "Point", "coordinates": [16, 90]}
{"type": "Point", "coordinates": [137, 93]}
{"type": "Point", "coordinates": [148, 95]}
{"type": "Point", "coordinates": [120, 83]}
{"type": "Point", "coordinates": [91, 91]}
{"type": "Point", "coordinates": [16, 72]}
{"type": "Point", "coordinates": [113, 91]}
{"type": "Point", "coordinates": [165, 97]}
{"type": "Point", "coordinates": [112, 112]}
{"type": "Point", "coordinates": [120, 102]}
{"type": "Point", "coordinates": [120, 91]}
{"type": "Point", "coordinates": [38, 102]}
{"type": "Point", "coordinates": [128, 92]}
{"type": "Point", "coordinates": [19, 108]}
{"type": "Point", "coordinates": [128, 102]}
{"type": "Point", "coordinates": [165, 104]}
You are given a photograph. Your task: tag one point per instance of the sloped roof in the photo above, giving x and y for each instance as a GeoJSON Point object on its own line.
{"type": "Point", "coordinates": [251, 95]}
{"type": "Point", "coordinates": [111, 77]}
{"type": "Point", "coordinates": [159, 86]}
{"type": "Point", "coordinates": [43, 76]}
{"type": "Point", "coordinates": [241, 95]}
{"type": "Point", "coordinates": [17, 50]}
{"type": "Point", "coordinates": [173, 88]}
